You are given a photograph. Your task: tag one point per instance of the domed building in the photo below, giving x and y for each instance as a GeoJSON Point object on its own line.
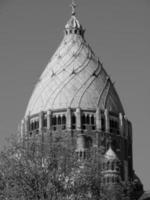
{"type": "Point", "coordinates": [76, 96]}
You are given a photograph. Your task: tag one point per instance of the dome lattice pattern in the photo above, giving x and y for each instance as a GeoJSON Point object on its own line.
{"type": "Point", "coordinates": [74, 78]}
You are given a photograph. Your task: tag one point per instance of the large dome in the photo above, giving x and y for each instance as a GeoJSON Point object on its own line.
{"type": "Point", "coordinates": [74, 78]}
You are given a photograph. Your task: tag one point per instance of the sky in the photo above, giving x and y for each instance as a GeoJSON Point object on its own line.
{"type": "Point", "coordinates": [118, 32]}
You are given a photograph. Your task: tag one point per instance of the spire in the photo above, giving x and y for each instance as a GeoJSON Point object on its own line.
{"type": "Point", "coordinates": [73, 6]}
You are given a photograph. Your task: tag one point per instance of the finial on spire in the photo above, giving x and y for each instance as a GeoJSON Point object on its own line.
{"type": "Point", "coordinates": [73, 6]}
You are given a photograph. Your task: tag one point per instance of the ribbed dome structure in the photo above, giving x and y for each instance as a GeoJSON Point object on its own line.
{"type": "Point", "coordinates": [74, 78]}
{"type": "Point", "coordinates": [75, 101]}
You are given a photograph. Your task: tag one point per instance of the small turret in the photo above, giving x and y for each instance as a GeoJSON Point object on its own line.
{"type": "Point", "coordinates": [73, 26]}
{"type": "Point", "coordinates": [110, 168]}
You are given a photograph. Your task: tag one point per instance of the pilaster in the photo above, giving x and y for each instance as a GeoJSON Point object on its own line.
{"type": "Point", "coordinates": [22, 127]}
{"type": "Point", "coordinates": [68, 116]}
{"type": "Point", "coordinates": [98, 119]}
{"type": "Point", "coordinates": [27, 124]}
{"type": "Point", "coordinates": [121, 124]}
{"type": "Point", "coordinates": [41, 121]}
{"type": "Point", "coordinates": [49, 117]}
{"type": "Point", "coordinates": [107, 123]}
{"type": "Point", "coordinates": [78, 119]}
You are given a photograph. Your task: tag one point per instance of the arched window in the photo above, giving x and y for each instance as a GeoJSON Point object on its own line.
{"type": "Point", "coordinates": [73, 119]}
{"type": "Point", "coordinates": [63, 119]}
{"type": "Point", "coordinates": [92, 120]}
{"type": "Point", "coordinates": [54, 122]}
{"type": "Point", "coordinates": [32, 126]}
{"type": "Point", "coordinates": [117, 168]}
{"type": "Point", "coordinates": [37, 124]}
{"type": "Point", "coordinates": [87, 119]}
{"type": "Point", "coordinates": [108, 163]}
{"type": "Point", "coordinates": [45, 121]}
{"type": "Point", "coordinates": [59, 120]}
{"type": "Point", "coordinates": [114, 126]}
{"type": "Point", "coordinates": [113, 166]}
{"type": "Point", "coordinates": [63, 122]}
{"type": "Point", "coordinates": [103, 123]}
{"type": "Point", "coordinates": [83, 121]}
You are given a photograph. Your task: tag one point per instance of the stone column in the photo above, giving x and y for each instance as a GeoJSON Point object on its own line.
{"type": "Point", "coordinates": [126, 126]}
{"type": "Point", "coordinates": [22, 128]}
{"type": "Point", "coordinates": [98, 119]}
{"type": "Point", "coordinates": [126, 170]}
{"type": "Point", "coordinates": [107, 124]}
{"type": "Point", "coordinates": [130, 130]}
{"type": "Point", "coordinates": [121, 124]}
{"type": "Point", "coordinates": [49, 117]}
{"type": "Point", "coordinates": [78, 119]}
{"type": "Point", "coordinates": [27, 124]}
{"type": "Point", "coordinates": [68, 117]}
{"type": "Point", "coordinates": [40, 121]}
{"type": "Point", "coordinates": [26, 130]}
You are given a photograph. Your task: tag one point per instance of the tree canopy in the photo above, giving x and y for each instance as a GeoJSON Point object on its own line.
{"type": "Point", "coordinates": [48, 170]}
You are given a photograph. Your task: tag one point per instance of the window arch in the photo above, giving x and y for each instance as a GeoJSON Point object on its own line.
{"type": "Point", "coordinates": [45, 121]}
{"type": "Point", "coordinates": [54, 122]}
{"type": "Point", "coordinates": [114, 126]}
{"type": "Point", "coordinates": [83, 121]}
{"type": "Point", "coordinates": [92, 120]}
{"type": "Point", "coordinates": [59, 120]}
{"type": "Point", "coordinates": [63, 119]}
{"type": "Point", "coordinates": [73, 119]}
{"type": "Point", "coordinates": [32, 126]}
{"type": "Point", "coordinates": [63, 122]}
{"type": "Point", "coordinates": [108, 163]}
{"type": "Point", "coordinates": [37, 124]}
{"type": "Point", "coordinates": [93, 124]}
{"type": "Point", "coordinates": [87, 119]}
{"type": "Point", "coordinates": [113, 166]}
{"type": "Point", "coordinates": [103, 123]}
